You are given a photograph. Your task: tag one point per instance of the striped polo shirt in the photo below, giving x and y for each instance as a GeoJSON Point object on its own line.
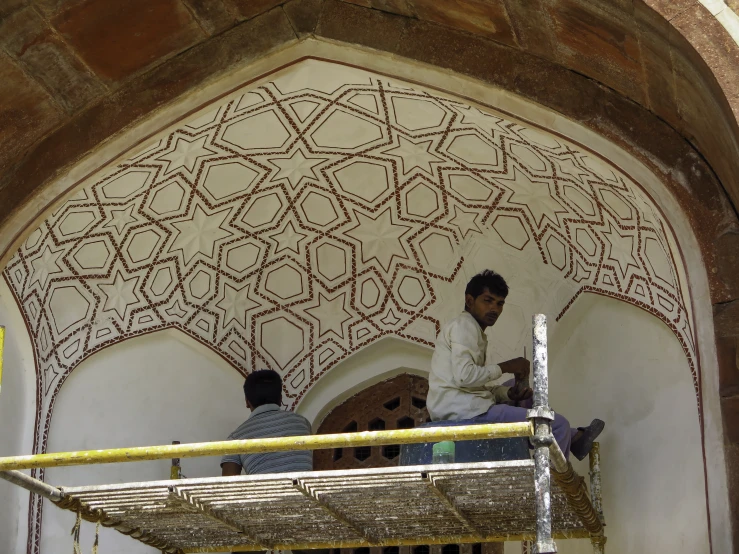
{"type": "Point", "coordinates": [269, 421]}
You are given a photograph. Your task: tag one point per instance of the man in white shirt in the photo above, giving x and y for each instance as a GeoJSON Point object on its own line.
{"type": "Point", "coordinates": [460, 385]}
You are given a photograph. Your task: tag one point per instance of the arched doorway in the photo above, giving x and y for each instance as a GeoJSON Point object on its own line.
{"type": "Point", "coordinates": [397, 403]}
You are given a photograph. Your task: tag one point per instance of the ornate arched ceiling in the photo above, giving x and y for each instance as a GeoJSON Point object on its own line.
{"type": "Point", "coordinates": [291, 224]}
{"type": "Point", "coordinates": [658, 78]}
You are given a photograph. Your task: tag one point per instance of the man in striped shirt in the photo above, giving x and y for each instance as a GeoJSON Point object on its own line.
{"type": "Point", "coordinates": [263, 391]}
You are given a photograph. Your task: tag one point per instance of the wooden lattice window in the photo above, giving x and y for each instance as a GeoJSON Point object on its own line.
{"type": "Point", "coordinates": [398, 403]}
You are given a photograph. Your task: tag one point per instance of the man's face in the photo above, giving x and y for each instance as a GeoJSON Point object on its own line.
{"type": "Point", "coordinates": [486, 308]}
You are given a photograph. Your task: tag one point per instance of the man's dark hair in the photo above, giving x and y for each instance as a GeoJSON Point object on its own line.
{"type": "Point", "coordinates": [487, 279]}
{"type": "Point", "coordinates": [263, 387]}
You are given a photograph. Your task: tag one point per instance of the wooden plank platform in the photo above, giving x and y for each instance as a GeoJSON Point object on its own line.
{"type": "Point", "coordinates": [433, 504]}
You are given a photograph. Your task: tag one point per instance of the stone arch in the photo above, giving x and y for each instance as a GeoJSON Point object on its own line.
{"type": "Point", "coordinates": [122, 185]}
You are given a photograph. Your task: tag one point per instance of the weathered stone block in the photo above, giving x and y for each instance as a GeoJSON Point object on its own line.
{"type": "Point", "coordinates": [353, 24]}
{"type": "Point", "coordinates": [26, 113]}
{"type": "Point", "coordinates": [599, 43]}
{"type": "Point", "coordinates": [212, 15]}
{"type": "Point", "coordinates": [27, 36]}
{"type": "Point", "coordinates": [727, 349]}
{"type": "Point", "coordinates": [481, 17]}
{"type": "Point", "coordinates": [401, 7]}
{"type": "Point", "coordinates": [117, 39]}
{"type": "Point", "coordinates": [303, 15]}
{"type": "Point", "coordinates": [246, 9]}
{"type": "Point", "coordinates": [730, 413]}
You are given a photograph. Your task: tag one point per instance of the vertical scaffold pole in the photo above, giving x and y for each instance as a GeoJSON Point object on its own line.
{"type": "Point", "coordinates": [598, 541]}
{"type": "Point", "coordinates": [542, 417]}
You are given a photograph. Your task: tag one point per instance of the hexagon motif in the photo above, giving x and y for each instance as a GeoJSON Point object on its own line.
{"type": "Point", "coordinates": [125, 185]}
{"type": "Point", "coordinates": [393, 404]}
{"type": "Point", "coordinates": [411, 291]}
{"type": "Point", "coordinates": [68, 306]}
{"type": "Point", "coordinates": [657, 260]}
{"type": "Point", "coordinates": [580, 200]}
{"type": "Point", "coordinates": [557, 252]}
{"type": "Point", "coordinates": [168, 199]}
{"type": "Point", "coordinates": [282, 340]}
{"type": "Point", "coordinates": [92, 255]}
{"type": "Point", "coordinates": [141, 245]}
{"type": "Point", "coordinates": [469, 188]}
{"type": "Point", "coordinates": [361, 453]}
{"type": "Point", "coordinates": [343, 131]}
{"type": "Point", "coordinates": [284, 282]}
{"type": "Point", "coordinates": [376, 424]}
{"type": "Point", "coordinates": [527, 157]}
{"type": "Point", "coordinates": [617, 204]}
{"type": "Point", "coordinates": [263, 210]}
{"type": "Point", "coordinates": [406, 423]}
{"type": "Point", "coordinates": [586, 242]}
{"type": "Point", "coordinates": [370, 294]}
{"type": "Point", "coordinates": [415, 114]}
{"type": "Point", "coordinates": [261, 131]}
{"type": "Point", "coordinates": [474, 150]}
{"type": "Point", "coordinates": [421, 200]}
{"type": "Point", "coordinates": [228, 179]}
{"type": "Point", "coordinates": [76, 222]}
{"type": "Point", "coordinates": [390, 452]}
{"type": "Point", "coordinates": [243, 257]}
{"type": "Point", "coordinates": [199, 284]}
{"type": "Point", "coordinates": [437, 249]}
{"type": "Point", "coordinates": [161, 281]}
{"type": "Point", "coordinates": [330, 261]}
{"type": "Point", "coordinates": [318, 209]}
{"type": "Point", "coordinates": [511, 231]}
{"type": "Point", "coordinates": [363, 179]}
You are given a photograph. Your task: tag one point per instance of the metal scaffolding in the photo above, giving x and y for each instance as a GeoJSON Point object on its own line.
{"type": "Point", "coordinates": [431, 504]}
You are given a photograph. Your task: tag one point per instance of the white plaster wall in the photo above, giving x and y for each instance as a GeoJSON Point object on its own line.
{"type": "Point", "coordinates": [147, 391]}
{"type": "Point", "coordinates": [16, 420]}
{"type": "Point", "coordinates": [616, 362]}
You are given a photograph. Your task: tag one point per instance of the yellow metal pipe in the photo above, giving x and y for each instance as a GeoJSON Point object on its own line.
{"type": "Point", "coordinates": [452, 539]}
{"type": "Point", "coordinates": [279, 444]}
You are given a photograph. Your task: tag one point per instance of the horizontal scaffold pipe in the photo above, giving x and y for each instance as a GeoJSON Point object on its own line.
{"type": "Point", "coordinates": [279, 444]}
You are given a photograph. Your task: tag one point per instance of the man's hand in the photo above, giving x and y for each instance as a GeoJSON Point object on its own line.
{"type": "Point", "coordinates": [229, 469]}
{"type": "Point", "coordinates": [519, 391]}
{"type": "Point", "coordinates": [519, 367]}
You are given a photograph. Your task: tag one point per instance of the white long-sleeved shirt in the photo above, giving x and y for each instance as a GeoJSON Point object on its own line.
{"type": "Point", "coordinates": [459, 383]}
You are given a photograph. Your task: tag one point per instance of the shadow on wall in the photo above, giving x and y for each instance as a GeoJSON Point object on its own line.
{"type": "Point", "coordinates": [16, 419]}
{"type": "Point", "coordinates": [145, 391]}
{"type": "Point", "coordinates": [611, 360]}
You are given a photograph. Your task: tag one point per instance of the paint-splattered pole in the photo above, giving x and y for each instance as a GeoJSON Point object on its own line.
{"type": "Point", "coordinates": [541, 416]}
{"type": "Point", "coordinates": [2, 343]}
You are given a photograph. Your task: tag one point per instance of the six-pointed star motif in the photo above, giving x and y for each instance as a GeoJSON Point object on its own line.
{"type": "Point", "coordinates": [414, 154]}
{"type": "Point", "coordinates": [235, 304]}
{"type": "Point", "coordinates": [536, 196]}
{"type": "Point", "coordinates": [288, 238]}
{"type": "Point", "coordinates": [120, 218]}
{"type": "Point", "coordinates": [330, 314]}
{"type": "Point", "coordinates": [186, 154]}
{"type": "Point", "coordinates": [465, 221]}
{"type": "Point", "coordinates": [621, 249]}
{"type": "Point", "coordinates": [296, 168]}
{"type": "Point", "coordinates": [200, 233]}
{"type": "Point", "coordinates": [484, 121]}
{"type": "Point", "coordinates": [45, 265]}
{"type": "Point", "coordinates": [379, 238]}
{"type": "Point", "coordinates": [119, 294]}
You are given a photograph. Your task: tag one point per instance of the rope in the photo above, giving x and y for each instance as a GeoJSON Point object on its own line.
{"type": "Point", "coordinates": [577, 497]}
{"type": "Point", "coordinates": [76, 534]}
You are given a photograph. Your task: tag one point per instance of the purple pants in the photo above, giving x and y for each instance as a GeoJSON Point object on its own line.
{"type": "Point", "coordinates": [560, 426]}
{"type": "Point", "coordinates": [502, 413]}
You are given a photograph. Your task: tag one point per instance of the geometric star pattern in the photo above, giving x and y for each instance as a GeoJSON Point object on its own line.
{"type": "Point", "coordinates": [293, 242]}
